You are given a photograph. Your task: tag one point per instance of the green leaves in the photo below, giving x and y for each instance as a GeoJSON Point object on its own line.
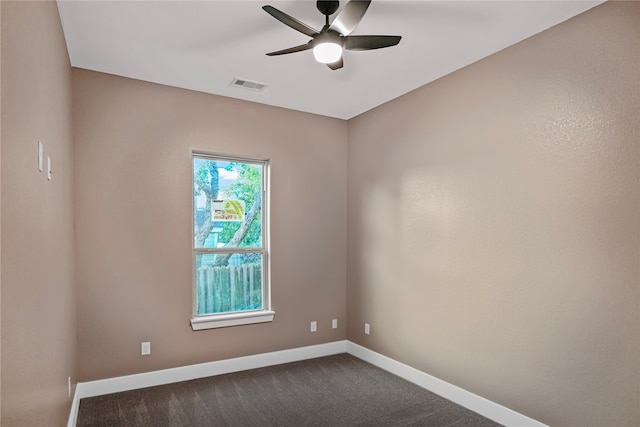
{"type": "Point", "coordinates": [245, 188]}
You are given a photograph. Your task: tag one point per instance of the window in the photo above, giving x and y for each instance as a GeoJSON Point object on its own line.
{"type": "Point", "coordinates": [230, 241]}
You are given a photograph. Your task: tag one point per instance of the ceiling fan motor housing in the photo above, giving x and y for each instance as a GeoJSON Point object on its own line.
{"type": "Point", "coordinates": [329, 36]}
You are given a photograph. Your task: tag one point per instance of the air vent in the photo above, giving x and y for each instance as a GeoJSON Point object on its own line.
{"type": "Point", "coordinates": [247, 84]}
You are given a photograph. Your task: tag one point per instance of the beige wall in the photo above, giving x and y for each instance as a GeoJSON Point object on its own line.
{"type": "Point", "coordinates": [133, 142]}
{"type": "Point", "coordinates": [493, 227]}
{"type": "Point", "coordinates": [494, 224]}
{"type": "Point", "coordinates": [0, 215]}
{"type": "Point", "coordinates": [38, 289]}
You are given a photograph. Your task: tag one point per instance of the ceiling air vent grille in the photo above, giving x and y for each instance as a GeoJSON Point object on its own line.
{"type": "Point", "coordinates": [247, 84]}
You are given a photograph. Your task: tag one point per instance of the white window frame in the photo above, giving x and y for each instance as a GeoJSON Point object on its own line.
{"type": "Point", "coordinates": [266, 314]}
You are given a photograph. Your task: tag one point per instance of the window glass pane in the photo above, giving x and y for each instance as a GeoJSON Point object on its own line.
{"type": "Point", "coordinates": [227, 283]}
{"type": "Point", "coordinates": [227, 203]}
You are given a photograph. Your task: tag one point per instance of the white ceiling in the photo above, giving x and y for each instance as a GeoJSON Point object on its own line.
{"type": "Point", "coordinates": [203, 45]}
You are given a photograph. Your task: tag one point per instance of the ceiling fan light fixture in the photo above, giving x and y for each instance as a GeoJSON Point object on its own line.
{"type": "Point", "coordinates": [327, 53]}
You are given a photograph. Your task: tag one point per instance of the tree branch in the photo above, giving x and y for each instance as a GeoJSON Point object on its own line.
{"type": "Point", "coordinates": [210, 190]}
{"type": "Point", "coordinates": [223, 259]}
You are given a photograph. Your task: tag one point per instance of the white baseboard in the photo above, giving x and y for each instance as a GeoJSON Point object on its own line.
{"type": "Point", "coordinates": [471, 401]}
{"type": "Point", "coordinates": [480, 405]}
{"type": "Point", "coordinates": [209, 369]}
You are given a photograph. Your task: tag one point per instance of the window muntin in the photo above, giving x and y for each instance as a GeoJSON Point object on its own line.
{"type": "Point", "coordinates": [230, 239]}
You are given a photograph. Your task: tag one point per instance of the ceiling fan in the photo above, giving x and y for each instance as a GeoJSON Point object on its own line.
{"type": "Point", "coordinates": [328, 43]}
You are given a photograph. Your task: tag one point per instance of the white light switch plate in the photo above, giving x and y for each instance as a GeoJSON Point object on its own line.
{"type": "Point", "coordinates": [40, 156]}
{"type": "Point", "coordinates": [49, 168]}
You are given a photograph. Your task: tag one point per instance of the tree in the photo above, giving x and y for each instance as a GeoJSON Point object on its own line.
{"type": "Point", "coordinates": [248, 188]}
{"type": "Point", "coordinates": [207, 181]}
{"type": "Point", "coordinates": [240, 234]}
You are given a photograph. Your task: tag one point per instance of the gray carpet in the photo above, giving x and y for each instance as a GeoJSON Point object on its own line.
{"type": "Point", "coordinates": [337, 390]}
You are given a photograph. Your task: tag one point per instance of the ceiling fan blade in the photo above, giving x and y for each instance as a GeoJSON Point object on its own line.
{"type": "Point", "coordinates": [370, 42]}
{"type": "Point", "coordinates": [294, 49]}
{"type": "Point", "coordinates": [336, 65]}
{"type": "Point", "coordinates": [290, 21]}
{"type": "Point", "coordinates": [350, 16]}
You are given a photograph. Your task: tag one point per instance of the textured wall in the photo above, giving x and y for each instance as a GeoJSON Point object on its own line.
{"type": "Point", "coordinates": [38, 289]}
{"type": "Point", "coordinates": [133, 143]}
{"type": "Point", "coordinates": [494, 224]}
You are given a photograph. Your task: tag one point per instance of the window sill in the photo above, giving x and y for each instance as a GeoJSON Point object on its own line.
{"type": "Point", "coordinates": [234, 319]}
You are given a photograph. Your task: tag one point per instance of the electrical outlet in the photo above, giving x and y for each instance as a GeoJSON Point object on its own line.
{"type": "Point", "coordinates": [367, 329]}
{"type": "Point", "coordinates": [145, 348]}
{"type": "Point", "coordinates": [314, 326]}
{"type": "Point", "coordinates": [334, 324]}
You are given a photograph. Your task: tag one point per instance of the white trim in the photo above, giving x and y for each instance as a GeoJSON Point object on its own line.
{"type": "Point", "coordinates": [266, 315]}
{"type": "Point", "coordinates": [480, 405]}
{"type": "Point", "coordinates": [202, 370]}
{"type": "Point", "coordinates": [235, 319]}
{"type": "Point", "coordinates": [73, 412]}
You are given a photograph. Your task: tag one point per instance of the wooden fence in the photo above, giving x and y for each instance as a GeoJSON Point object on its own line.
{"type": "Point", "coordinates": [228, 289]}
